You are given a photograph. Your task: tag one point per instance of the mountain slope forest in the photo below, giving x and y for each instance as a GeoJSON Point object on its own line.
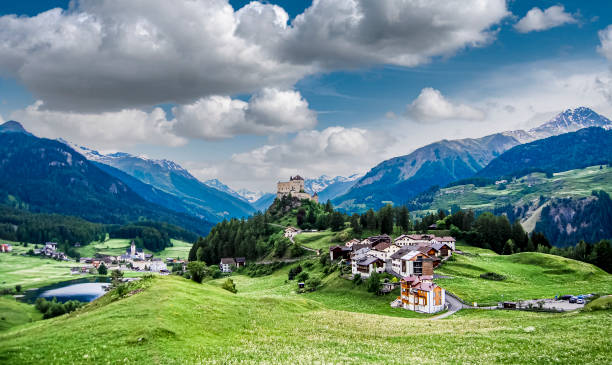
{"type": "Point", "coordinates": [42, 175]}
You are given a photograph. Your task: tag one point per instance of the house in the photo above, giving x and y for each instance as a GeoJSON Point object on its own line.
{"type": "Point", "coordinates": [291, 232]}
{"type": "Point", "coordinates": [414, 239]}
{"type": "Point", "coordinates": [450, 241]}
{"type": "Point", "coordinates": [75, 270]}
{"type": "Point", "coordinates": [420, 294]}
{"type": "Point", "coordinates": [49, 248]}
{"type": "Point", "coordinates": [240, 261]}
{"type": "Point", "coordinates": [410, 262]}
{"type": "Point", "coordinates": [157, 265]}
{"type": "Point", "coordinates": [433, 226]}
{"type": "Point", "coordinates": [227, 263]}
{"type": "Point", "coordinates": [352, 242]}
{"type": "Point", "coordinates": [5, 247]}
{"type": "Point", "coordinates": [384, 250]}
{"type": "Point", "coordinates": [340, 252]}
{"type": "Point", "coordinates": [365, 265]}
{"type": "Point", "coordinates": [443, 249]}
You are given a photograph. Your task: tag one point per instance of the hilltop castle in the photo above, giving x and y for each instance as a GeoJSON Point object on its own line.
{"type": "Point", "coordinates": [295, 188]}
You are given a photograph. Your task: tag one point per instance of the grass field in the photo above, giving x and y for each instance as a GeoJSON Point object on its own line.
{"type": "Point", "coordinates": [573, 183]}
{"type": "Point", "coordinates": [315, 240]}
{"type": "Point", "coordinates": [14, 313]}
{"type": "Point", "coordinates": [530, 275]}
{"type": "Point", "coordinates": [117, 247]}
{"type": "Point", "coordinates": [32, 272]}
{"type": "Point", "coordinates": [201, 323]}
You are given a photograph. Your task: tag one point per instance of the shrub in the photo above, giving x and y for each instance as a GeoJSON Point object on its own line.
{"type": "Point", "coordinates": [312, 284]}
{"type": "Point", "coordinates": [229, 285]}
{"type": "Point", "coordinates": [18, 288]}
{"type": "Point", "coordinates": [294, 271]}
{"type": "Point", "coordinates": [102, 270]}
{"type": "Point", "coordinates": [302, 277]}
{"type": "Point", "coordinates": [197, 270]}
{"type": "Point", "coordinates": [357, 279]}
{"type": "Point", "coordinates": [52, 308]}
{"type": "Point", "coordinates": [373, 283]}
{"type": "Point", "coordinates": [493, 276]}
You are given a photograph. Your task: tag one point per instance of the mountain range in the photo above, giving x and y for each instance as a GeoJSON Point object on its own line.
{"type": "Point", "coordinates": [401, 178]}
{"type": "Point", "coordinates": [43, 175]}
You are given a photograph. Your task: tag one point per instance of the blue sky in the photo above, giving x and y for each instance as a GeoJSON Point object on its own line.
{"type": "Point", "coordinates": [533, 73]}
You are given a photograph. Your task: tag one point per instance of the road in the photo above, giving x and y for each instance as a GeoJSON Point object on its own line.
{"type": "Point", "coordinates": [453, 306]}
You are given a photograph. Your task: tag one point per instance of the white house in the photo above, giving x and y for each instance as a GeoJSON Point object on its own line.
{"type": "Point", "coordinates": [409, 262]}
{"type": "Point", "coordinates": [421, 295]}
{"type": "Point", "coordinates": [365, 265]}
{"type": "Point", "coordinates": [352, 242]}
{"type": "Point", "coordinates": [291, 232]}
{"type": "Point", "coordinates": [384, 250]}
{"type": "Point", "coordinates": [227, 263]}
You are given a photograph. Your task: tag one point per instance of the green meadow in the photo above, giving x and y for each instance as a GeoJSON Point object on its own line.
{"type": "Point", "coordinates": [32, 272]}
{"type": "Point", "coordinates": [529, 275]}
{"type": "Point", "coordinates": [315, 240]}
{"type": "Point", "coordinates": [202, 323]}
{"type": "Point", "coordinates": [572, 183]}
{"type": "Point", "coordinates": [117, 246]}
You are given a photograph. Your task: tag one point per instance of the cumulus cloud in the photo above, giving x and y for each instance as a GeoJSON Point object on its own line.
{"type": "Point", "coordinates": [108, 130]}
{"type": "Point", "coordinates": [351, 33]}
{"type": "Point", "coordinates": [605, 39]}
{"type": "Point", "coordinates": [268, 111]}
{"type": "Point", "coordinates": [333, 151]}
{"type": "Point", "coordinates": [538, 20]}
{"type": "Point", "coordinates": [118, 54]}
{"type": "Point", "coordinates": [432, 106]}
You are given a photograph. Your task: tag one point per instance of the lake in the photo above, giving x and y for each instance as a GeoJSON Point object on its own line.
{"type": "Point", "coordinates": [83, 290]}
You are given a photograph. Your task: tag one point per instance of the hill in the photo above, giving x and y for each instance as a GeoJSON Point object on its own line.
{"type": "Point", "coordinates": [529, 275]}
{"type": "Point", "coordinates": [43, 175]}
{"type": "Point", "coordinates": [203, 323]}
{"type": "Point", "coordinates": [586, 147]}
{"type": "Point", "coordinates": [400, 179]}
{"type": "Point", "coordinates": [170, 177]}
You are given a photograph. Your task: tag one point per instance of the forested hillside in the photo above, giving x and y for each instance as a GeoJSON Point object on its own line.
{"type": "Point", "coordinates": [43, 175]}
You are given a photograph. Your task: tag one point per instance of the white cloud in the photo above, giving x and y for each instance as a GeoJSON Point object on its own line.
{"type": "Point", "coordinates": [432, 106]}
{"type": "Point", "coordinates": [336, 34]}
{"type": "Point", "coordinates": [605, 39]}
{"type": "Point", "coordinates": [268, 111]}
{"type": "Point", "coordinates": [101, 130]}
{"type": "Point", "coordinates": [538, 20]}
{"type": "Point", "coordinates": [333, 151]}
{"type": "Point", "coordinates": [117, 54]}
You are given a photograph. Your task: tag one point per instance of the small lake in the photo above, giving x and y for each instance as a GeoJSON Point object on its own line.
{"type": "Point", "coordinates": [83, 290]}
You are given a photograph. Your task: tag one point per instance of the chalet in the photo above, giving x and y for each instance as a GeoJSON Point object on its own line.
{"type": "Point", "coordinates": [443, 249]}
{"type": "Point", "coordinates": [450, 241]}
{"type": "Point", "coordinates": [352, 242]}
{"type": "Point", "coordinates": [157, 265]}
{"type": "Point", "coordinates": [420, 294]}
{"type": "Point", "coordinates": [384, 250]}
{"type": "Point", "coordinates": [227, 263]}
{"type": "Point", "coordinates": [365, 265]}
{"type": "Point", "coordinates": [49, 249]}
{"type": "Point", "coordinates": [5, 247]}
{"type": "Point", "coordinates": [410, 262]}
{"type": "Point", "coordinates": [340, 252]}
{"type": "Point", "coordinates": [240, 261]}
{"type": "Point", "coordinates": [415, 240]}
{"type": "Point", "coordinates": [291, 232]}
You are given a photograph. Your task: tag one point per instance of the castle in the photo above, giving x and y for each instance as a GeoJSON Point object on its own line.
{"type": "Point", "coordinates": [295, 188]}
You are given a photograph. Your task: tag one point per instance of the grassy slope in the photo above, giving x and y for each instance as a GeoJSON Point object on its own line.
{"type": "Point", "coordinates": [32, 272]}
{"type": "Point", "coordinates": [315, 240]}
{"type": "Point", "coordinates": [192, 323]}
{"type": "Point", "coordinates": [118, 246]}
{"type": "Point", "coordinates": [530, 275]}
{"type": "Point", "coordinates": [573, 183]}
{"type": "Point", "coordinates": [14, 313]}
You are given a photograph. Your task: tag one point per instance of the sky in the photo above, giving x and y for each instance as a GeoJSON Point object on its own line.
{"type": "Point", "coordinates": [253, 92]}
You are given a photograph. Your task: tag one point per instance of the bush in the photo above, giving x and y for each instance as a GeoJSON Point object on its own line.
{"type": "Point", "coordinates": [52, 308]}
{"type": "Point", "coordinates": [294, 271]}
{"type": "Point", "coordinates": [229, 285]}
{"type": "Point", "coordinates": [302, 277]}
{"type": "Point", "coordinates": [357, 279]}
{"type": "Point", "coordinates": [18, 288]}
{"type": "Point", "coordinates": [102, 270]}
{"type": "Point", "coordinates": [197, 270]}
{"type": "Point", "coordinates": [373, 283]}
{"type": "Point", "coordinates": [493, 276]}
{"type": "Point", "coordinates": [312, 284]}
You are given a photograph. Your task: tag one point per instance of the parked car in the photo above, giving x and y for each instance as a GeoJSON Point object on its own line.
{"type": "Point", "coordinates": [573, 299]}
{"type": "Point", "coordinates": [580, 301]}
{"type": "Point", "coordinates": [565, 297]}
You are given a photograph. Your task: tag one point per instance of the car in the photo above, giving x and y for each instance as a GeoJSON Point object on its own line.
{"type": "Point", "coordinates": [565, 297]}
{"type": "Point", "coordinates": [581, 297]}
{"type": "Point", "coordinates": [580, 301]}
{"type": "Point", "coordinates": [573, 299]}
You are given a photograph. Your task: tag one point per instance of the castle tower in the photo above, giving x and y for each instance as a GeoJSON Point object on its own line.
{"type": "Point", "coordinates": [133, 249]}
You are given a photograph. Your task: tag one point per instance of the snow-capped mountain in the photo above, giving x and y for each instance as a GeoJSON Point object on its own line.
{"type": "Point", "coordinates": [251, 196]}
{"type": "Point", "coordinates": [216, 184]}
{"type": "Point", "coordinates": [318, 184]}
{"type": "Point", "coordinates": [570, 120]}
{"type": "Point", "coordinates": [172, 178]}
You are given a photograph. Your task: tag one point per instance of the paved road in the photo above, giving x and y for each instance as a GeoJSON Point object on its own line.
{"type": "Point", "coordinates": [453, 305]}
